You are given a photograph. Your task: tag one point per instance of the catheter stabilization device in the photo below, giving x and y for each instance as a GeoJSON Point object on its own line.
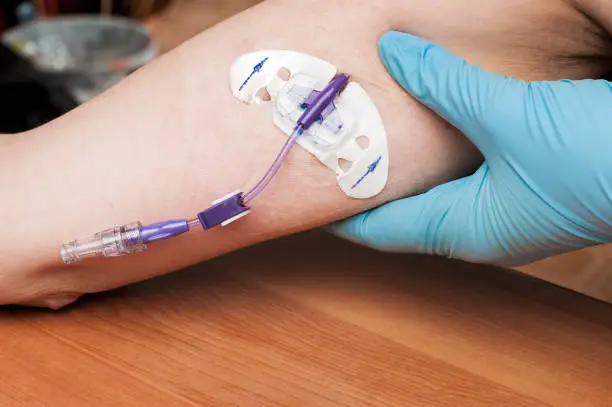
{"type": "Point", "coordinates": [318, 108]}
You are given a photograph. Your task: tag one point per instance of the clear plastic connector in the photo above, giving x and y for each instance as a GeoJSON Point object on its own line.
{"type": "Point", "coordinates": [115, 241]}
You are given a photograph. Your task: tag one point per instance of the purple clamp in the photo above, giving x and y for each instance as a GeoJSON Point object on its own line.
{"type": "Point", "coordinates": [224, 211]}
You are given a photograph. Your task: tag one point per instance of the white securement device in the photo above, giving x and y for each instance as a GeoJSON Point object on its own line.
{"type": "Point", "coordinates": [349, 138]}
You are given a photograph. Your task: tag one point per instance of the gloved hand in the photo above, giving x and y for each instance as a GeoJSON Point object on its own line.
{"type": "Point", "coordinates": [545, 186]}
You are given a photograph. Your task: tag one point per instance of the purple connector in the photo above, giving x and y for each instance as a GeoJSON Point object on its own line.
{"type": "Point", "coordinates": [163, 230]}
{"type": "Point", "coordinates": [223, 211]}
{"type": "Point", "coordinates": [322, 101]}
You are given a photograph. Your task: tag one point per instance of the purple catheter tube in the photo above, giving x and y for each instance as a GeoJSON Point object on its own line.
{"type": "Point", "coordinates": [312, 113]}
{"type": "Point", "coordinates": [263, 183]}
{"type": "Point", "coordinates": [163, 230]}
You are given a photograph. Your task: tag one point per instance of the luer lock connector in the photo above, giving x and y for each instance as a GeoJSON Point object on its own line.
{"type": "Point", "coordinates": [115, 241]}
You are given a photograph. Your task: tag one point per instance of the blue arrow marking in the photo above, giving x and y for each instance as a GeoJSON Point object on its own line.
{"type": "Point", "coordinates": [370, 170]}
{"type": "Point", "coordinates": [256, 69]}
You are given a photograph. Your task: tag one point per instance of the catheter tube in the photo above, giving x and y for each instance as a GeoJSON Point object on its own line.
{"type": "Point", "coordinates": [263, 183]}
{"type": "Point", "coordinates": [310, 115]}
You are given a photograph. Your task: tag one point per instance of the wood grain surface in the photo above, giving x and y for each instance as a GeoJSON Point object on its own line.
{"type": "Point", "coordinates": [310, 320]}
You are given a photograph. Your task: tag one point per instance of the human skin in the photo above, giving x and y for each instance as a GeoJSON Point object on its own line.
{"type": "Point", "coordinates": [170, 139]}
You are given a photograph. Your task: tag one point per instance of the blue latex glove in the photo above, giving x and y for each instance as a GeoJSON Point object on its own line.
{"type": "Point", "coordinates": [545, 186]}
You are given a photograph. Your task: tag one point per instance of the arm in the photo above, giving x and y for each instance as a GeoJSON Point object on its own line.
{"type": "Point", "coordinates": [152, 147]}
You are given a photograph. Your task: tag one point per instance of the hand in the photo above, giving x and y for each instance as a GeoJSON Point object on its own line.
{"type": "Point", "coordinates": [545, 186]}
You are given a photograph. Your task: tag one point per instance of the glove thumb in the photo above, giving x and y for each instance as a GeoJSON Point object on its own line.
{"type": "Point", "coordinates": [459, 92]}
{"type": "Point", "coordinates": [428, 223]}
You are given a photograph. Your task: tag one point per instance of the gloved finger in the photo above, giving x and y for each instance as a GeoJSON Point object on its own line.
{"type": "Point", "coordinates": [461, 93]}
{"type": "Point", "coordinates": [412, 224]}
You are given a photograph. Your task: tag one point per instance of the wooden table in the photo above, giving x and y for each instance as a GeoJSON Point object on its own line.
{"type": "Point", "coordinates": [314, 321]}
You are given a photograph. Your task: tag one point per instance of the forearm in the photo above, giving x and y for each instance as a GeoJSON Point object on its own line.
{"type": "Point", "coordinates": [171, 138]}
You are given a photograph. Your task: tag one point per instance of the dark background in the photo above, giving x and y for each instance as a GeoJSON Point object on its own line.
{"type": "Point", "coordinates": [132, 8]}
{"type": "Point", "coordinates": [28, 98]}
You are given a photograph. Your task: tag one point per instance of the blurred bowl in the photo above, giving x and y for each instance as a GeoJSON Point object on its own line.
{"type": "Point", "coordinates": [86, 53]}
